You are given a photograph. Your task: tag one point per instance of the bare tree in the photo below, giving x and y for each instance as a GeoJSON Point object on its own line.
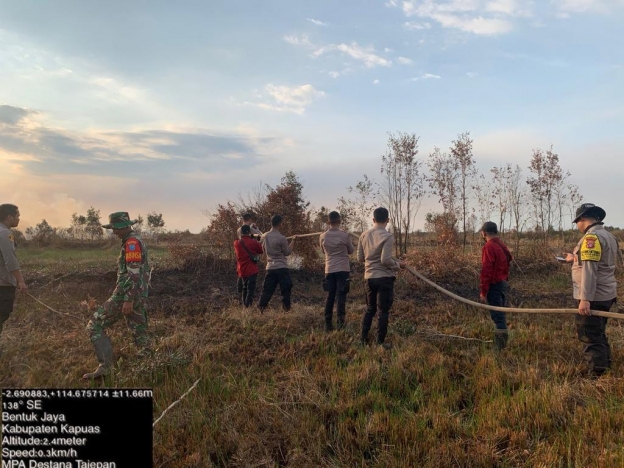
{"type": "Point", "coordinates": [517, 202]}
{"type": "Point", "coordinates": [443, 181]}
{"type": "Point", "coordinates": [574, 200]}
{"type": "Point", "coordinates": [356, 211]}
{"type": "Point", "coordinates": [461, 152]}
{"type": "Point", "coordinates": [402, 185]}
{"type": "Point", "coordinates": [483, 191]}
{"type": "Point", "coordinates": [547, 174]}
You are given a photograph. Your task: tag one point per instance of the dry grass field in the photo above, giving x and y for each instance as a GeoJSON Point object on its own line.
{"type": "Point", "coordinates": [276, 391]}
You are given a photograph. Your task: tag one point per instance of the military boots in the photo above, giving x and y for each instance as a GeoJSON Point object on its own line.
{"type": "Point", "coordinates": [104, 353]}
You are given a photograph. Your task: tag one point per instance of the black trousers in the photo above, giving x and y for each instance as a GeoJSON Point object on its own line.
{"type": "Point", "coordinates": [591, 331]}
{"type": "Point", "coordinates": [379, 294]}
{"type": "Point", "coordinates": [496, 297]}
{"type": "Point", "coordinates": [279, 276]}
{"type": "Point", "coordinates": [248, 289]}
{"type": "Point", "coordinates": [7, 297]}
{"type": "Point", "coordinates": [337, 287]}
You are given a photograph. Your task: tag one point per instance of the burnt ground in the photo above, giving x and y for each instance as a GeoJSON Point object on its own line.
{"type": "Point", "coordinates": [195, 289]}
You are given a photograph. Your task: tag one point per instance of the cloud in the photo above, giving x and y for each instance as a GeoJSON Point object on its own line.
{"type": "Point", "coordinates": [508, 7]}
{"type": "Point", "coordinates": [366, 55]}
{"type": "Point", "coordinates": [302, 40]}
{"type": "Point", "coordinates": [411, 25]}
{"type": "Point", "coordinates": [405, 61]}
{"type": "Point", "coordinates": [12, 115]}
{"type": "Point", "coordinates": [317, 22]}
{"type": "Point", "coordinates": [466, 15]}
{"type": "Point", "coordinates": [477, 25]}
{"type": "Point", "coordinates": [334, 74]}
{"type": "Point", "coordinates": [387, 49]}
{"type": "Point", "coordinates": [287, 98]}
{"type": "Point", "coordinates": [426, 76]}
{"type": "Point", "coordinates": [587, 6]}
{"type": "Point", "coordinates": [41, 149]}
{"type": "Point", "coordinates": [375, 82]}
{"type": "Point", "coordinates": [472, 75]}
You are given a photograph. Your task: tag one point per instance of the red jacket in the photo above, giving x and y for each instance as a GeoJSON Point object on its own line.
{"type": "Point", "coordinates": [495, 260]}
{"type": "Point", "coordinates": [244, 266]}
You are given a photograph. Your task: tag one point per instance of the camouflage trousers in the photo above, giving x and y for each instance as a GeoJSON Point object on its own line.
{"type": "Point", "coordinates": [110, 312]}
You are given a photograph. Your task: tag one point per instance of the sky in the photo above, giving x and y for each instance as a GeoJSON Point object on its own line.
{"type": "Point", "coordinates": [174, 107]}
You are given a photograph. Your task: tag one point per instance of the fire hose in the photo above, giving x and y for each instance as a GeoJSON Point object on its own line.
{"type": "Point", "coordinates": [479, 305]}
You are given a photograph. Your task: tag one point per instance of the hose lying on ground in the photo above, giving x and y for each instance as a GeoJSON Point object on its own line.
{"type": "Point", "coordinates": [479, 305]}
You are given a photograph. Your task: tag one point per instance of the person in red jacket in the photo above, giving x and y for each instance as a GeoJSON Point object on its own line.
{"type": "Point", "coordinates": [495, 260]}
{"type": "Point", "coordinates": [248, 253]}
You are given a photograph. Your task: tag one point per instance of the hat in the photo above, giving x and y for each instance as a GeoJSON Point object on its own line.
{"type": "Point", "coordinates": [591, 211]}
{"type": "Point", "coordinates": [119, 220]}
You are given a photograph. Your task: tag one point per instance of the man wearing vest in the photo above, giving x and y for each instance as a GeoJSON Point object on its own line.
{"type": "Point", "coordinates": [375, 249]}
{"type": "Point", "coordinates": [248, 253]}
{"type": "Point", "coordinates": [594, 283]}
{"type": "Point", "coordinates": [337, 246]}
{"type": "Point", "coordinates": [495, 260]}
{"type": "Point", "coordinates": [128, 299]}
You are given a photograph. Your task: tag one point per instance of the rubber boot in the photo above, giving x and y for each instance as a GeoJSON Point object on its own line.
{"type": "Point", "coordinates": [500, 339]}
{"type": "Point", "coordinates": [104, 353]}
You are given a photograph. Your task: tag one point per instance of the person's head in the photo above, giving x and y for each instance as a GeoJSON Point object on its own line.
{"type": "Point", "coordinates": [276, 221]}
{"type": "Point", "coordinates": [489, 229]}
{"type": "Point", "coordinates": [9, 215]}
{"type": "Point", "coordinates": [120, 223]}
{"type": "Point", "coordinates": [380, 216]}
{"type": "Point", "coordinates": [247, 218]}
{"type": "Point", "coordinates": [588, 214]}
{"type": "Point", "coordinates": [333, 218]}
{"type": "Point", "coordinates": [245, 230]}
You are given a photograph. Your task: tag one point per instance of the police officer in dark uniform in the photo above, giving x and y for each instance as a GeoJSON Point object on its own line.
{"type": "Point", "coordinates": [595, 287]}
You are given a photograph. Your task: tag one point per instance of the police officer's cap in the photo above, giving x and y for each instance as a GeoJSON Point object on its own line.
{"type": "Point", "coordinates": [589, 210]}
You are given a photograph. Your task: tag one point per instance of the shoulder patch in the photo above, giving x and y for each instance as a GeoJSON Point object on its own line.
{"type": "Point", "coordinates": [11, 238]}
{"type": "Point", "coordinates": [133, 251]}
{"type": "Point", "coordinates": [591, 250]}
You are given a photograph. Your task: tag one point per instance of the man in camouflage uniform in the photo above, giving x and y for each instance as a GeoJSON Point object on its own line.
{"type": "Point", "coordinates": [128, 298]}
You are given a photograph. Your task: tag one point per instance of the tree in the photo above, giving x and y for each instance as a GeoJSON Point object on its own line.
{"type": "Point", "coordinates": [547, 175]}
{"type": "Point", "coordinates": [574, 200]}
{"type": "Point", "coordinates": [92, 224]}
{"type": "Point", "coordinates": [138, 226]}
{"type": "Point", "coordinates": [155, 222]}
{"type": "Point", "coordinates": [461, 153]}
{"type": "Point", "coordinates": [320, 220]}
{"type": "Point", "coordinates": [442, 226]}
{"type": "Point", "coordinates": [42, 233]}
{"type": "Point", "coordinates": [77, 228]}
{"type": "Point", "coordinates": [402, 186]}
{"type": "Point", "coordinates": [443, 181]}
{"type": "Point", "coordinates": [356, 212]}
{"type": "Point", "coordinates": [222, 228]}
{"type": "Point", "coordinates": [517, 202]}
{"type": "Point", "coordinates": [484, 192]}
{"type": "Point", "coordinates": [287, 200]}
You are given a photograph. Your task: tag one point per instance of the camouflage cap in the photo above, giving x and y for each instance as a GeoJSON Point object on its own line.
{"type": "Point", "coordinates": [119, 220]}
